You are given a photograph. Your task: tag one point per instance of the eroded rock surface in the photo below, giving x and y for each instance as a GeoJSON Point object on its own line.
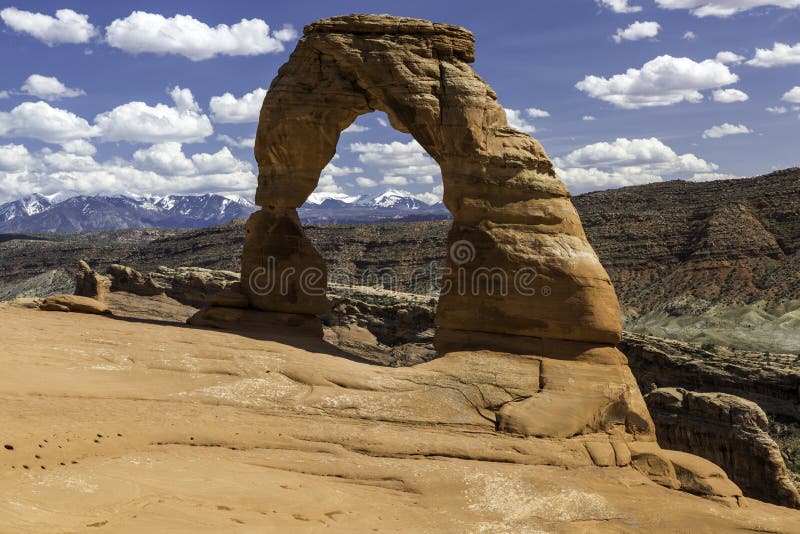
{"type": "Point", "coordinates": [140, 427]}
{"type": "Point", "coordinates": [74, 303]}
{"type": "Point", "coordinates": [522, 288]}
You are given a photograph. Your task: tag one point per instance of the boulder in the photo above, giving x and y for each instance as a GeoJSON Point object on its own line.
{"type": "Point", "coordinates": [132, 281]}
{"type": "Point", "coordinates": [195, 286]}
{"type": "Point", "coordinates": [74, 303]}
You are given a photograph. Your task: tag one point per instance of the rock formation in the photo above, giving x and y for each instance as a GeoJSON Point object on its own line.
{"type": "Point", "coordinates": [510, 210]}
{"type": "Point", "coordinates": [729, 431]}
{"type": "Point", "coordinates": [89, 283]}
{"type": "Point", "coordinates": [521, 283]}
{"type": "Point", "coordinates": [660, 363]}
{"type": "Point", "coordinates": [132, 281]}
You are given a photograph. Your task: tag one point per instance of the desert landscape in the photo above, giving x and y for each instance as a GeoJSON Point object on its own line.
{"type": "Point", "coordinates": [498, 355]}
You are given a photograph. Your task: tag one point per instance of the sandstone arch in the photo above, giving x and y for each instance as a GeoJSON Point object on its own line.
{"type": "Point", "coordinates": [537, 365]}
{"type": "Point", "coordinates": [507, 203]}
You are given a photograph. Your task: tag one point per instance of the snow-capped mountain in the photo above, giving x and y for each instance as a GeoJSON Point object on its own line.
{"type": "Point", "coordinates": [317, 199]}
{"type": "Point", "coordinates": [391, 205]}
{"type": "Point", "coordinates": [30, 205]}
{"type": "Point", "coordinates": [40, 214]}
{"type": "Point", "coordinates": [90, 213]}
{"type": "Point", "coordinates": [393, 198]}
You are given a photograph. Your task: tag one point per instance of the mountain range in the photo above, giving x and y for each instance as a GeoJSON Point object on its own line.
{"type": "Point", "coordinates": [40, 214]}
{"type": "Point", "coordinates": [44, 214]}
{"type": "Point", "coordinates": [391, 205]}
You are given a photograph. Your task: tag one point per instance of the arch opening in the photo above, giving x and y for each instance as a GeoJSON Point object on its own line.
{"type": "Point", "coordinates": [379, 175]}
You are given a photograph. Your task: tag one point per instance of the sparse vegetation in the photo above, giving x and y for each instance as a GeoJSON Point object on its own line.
{"type": "Point", "coordinates": [709, 347]}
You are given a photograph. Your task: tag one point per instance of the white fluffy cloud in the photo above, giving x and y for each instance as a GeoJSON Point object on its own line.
{"type": "Point", "coordinates": [66, 27]}
{"type": "Point", "coordinates": [429, 198]}
{"type": "Point", "coordinates": [134, 121]}
{"type": "Point", "coordinates": [229, 109]}
{"type": "Point", "coordinates": [48, 88]}
{"type": "Point", "coordinates": [237, 142]}
{"type": "Point", "coordinates": [777, 110]}
{"type": "Point", "coordinates": [780, 55]}
{"type": "Point", "coordinates": [39, 120]}
{"type": "Point", "coordinates": [395, 155]}
{"type": "Point", "coordinates": [14, 158]}
{"type": "Point", "coordinates": [724, 130]}
{"type": "Point", "coordinates": [355, 128]}
{"type": "Point", "coordinates": [80, 147]}
{"type": "Point", "coordinates": [159, 169]}
{"type": "Point", "coordinates": [139, 122]}
{"type": "Point", "coordinates": [516, 120]}
{"type": "Point", "coordinates": [184, 35]}
{"type": "Point", "coordinates": [689, 36]}
{"type": "Point", "coordinates": [536, 113]}
{"type": "Point", "coordinates": [220, 162]}
{"type": "Point", "coordinates": [362, 181]}
{"type": "Point", "coordinates": [662, 81]}
{"type": "Point", "coordinates": [712, 176]}
{"type": "Point", "coordinates": [335, 170]}
{"type": "Point", "coordinates": [619, 6]}
{"type": "Point", "coordinates": [398, 163]}
{"type": "Point", "coordinates": [625, 162]}
{"type": "Point", "coordinates": [164, 158]}
{"type": "Point", "coordinates": [327, 184]}
{"type": "Point", "coordinates": [588, 118]}
{"type": "Point", "coordinates": [394, 180]}
{"type": "Point", "coordinates": [792, 96]}
{"type": "Point", "coordinates": [729, 96]}
{"type": "Point", "coordinates": [637, 31]}
{"type": "Point", "coordinates": [723, 8]}
{"type": "Point", "coordinates": [727, 57]}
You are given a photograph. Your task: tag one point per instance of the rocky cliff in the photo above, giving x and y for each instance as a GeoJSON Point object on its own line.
{"type": "Point", "coordinates": [715, 262]}
{"type": "Point", "coordinates": [722, 242]}
{"type": "Point", "coordinates": [731, 432]}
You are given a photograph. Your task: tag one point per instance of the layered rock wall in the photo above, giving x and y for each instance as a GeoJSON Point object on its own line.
{"type": "Point", "coordinates": [729, 431]}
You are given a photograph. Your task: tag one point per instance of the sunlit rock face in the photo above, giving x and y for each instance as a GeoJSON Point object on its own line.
{"type": "Point", "coordinates": [519, 262]}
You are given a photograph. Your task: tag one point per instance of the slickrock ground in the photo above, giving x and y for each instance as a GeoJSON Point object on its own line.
{"type": "Point", "coordinates": [129, 426]}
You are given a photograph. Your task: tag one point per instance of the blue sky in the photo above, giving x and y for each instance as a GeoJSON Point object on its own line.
{"type": "Point", "coordinates": [93, 100]}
